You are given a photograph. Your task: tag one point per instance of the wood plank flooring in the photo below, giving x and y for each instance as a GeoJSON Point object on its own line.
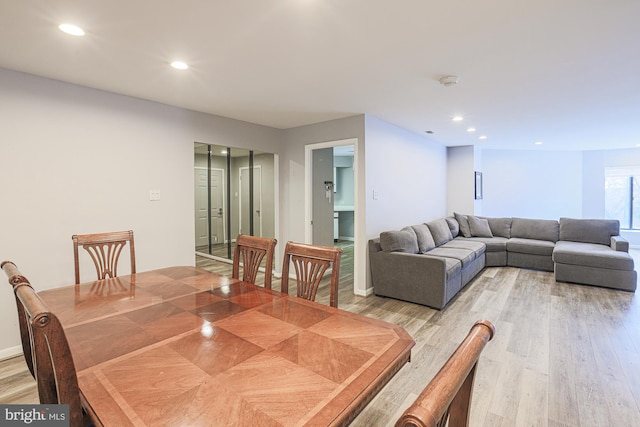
{"type": "Point", "coordinates": [563, 355]}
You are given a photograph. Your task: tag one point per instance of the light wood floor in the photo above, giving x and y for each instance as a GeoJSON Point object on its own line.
{"type": "Point", "coordinates": [563, 355]}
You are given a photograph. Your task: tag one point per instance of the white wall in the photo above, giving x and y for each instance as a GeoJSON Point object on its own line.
{"type": "Point", "coordinates": [532, 184]}
{"type": "Point", "coordinates": [293, 192]}
{"type": "Point", "coordinates": [460, 180]}
{"type": "Point", "coordinates": [409, 174]}
{"type": "Point", "coordinates": [79, 160]}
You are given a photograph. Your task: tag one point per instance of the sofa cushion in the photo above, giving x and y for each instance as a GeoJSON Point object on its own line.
{"type": "Point", "coordinates": [425, 239]}
{"type": "Point", "coordinates": [453, 226]}
{"type": "Point", "coordinates": [537, 229]}
{"type": "Point", "coordinates": [530, 246]}
{"type": "Point", "coordinates": [589, 230]}
{"type": "Point", "coordinates": [465, 256]}
{"type": "Point", "coordinates": [404, 240]}
{"type": "Point", "coordinates": [479, 227]}
{"type": "Point", "coordinates": [500, 227]}
{"type": "Point", "coordinates": [440, 231]}
{"type": "Point", "coordinates": [463, 222]}
{"type": "Point", "coordinates": [466, 243]}
{"type": "Point", "coordinates": [492, 244]}
{"type": "Point", "coordinates": [591, 255]}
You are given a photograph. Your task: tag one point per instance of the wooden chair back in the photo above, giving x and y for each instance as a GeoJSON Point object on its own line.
{"type": "Point", "coordinates": [447, 397]}
{"type": "Point", "coordinates": [46, 348]}
{"type": "Point", "coordinates": [250, 251]}
{"type": "Point", "coordinates": [15, 279]}
{"type": "Point", "coordinates": [104, 249]}
{"type": "Point", "coordinates": [310, 263]}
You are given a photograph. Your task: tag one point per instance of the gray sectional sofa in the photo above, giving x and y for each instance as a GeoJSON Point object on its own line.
{"type": "Point", "coordinates": [430, 263]}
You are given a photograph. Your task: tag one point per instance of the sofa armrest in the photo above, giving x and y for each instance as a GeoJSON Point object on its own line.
{"type": "Point", "coordinates": [406, 267]}
{"type": "Point", "coordinates": [619, 243]}
{"type": "Point", "coordinates": [410, 277]}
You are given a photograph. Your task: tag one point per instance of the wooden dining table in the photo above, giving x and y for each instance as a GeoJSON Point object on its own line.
{"type": "Point", "coordinates": [182, 346]}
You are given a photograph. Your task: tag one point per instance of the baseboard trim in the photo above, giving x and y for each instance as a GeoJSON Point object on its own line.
{"type": "Point", "coordinates": [8, 353]}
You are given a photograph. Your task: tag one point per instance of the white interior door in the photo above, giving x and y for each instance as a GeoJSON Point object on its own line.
{"type": "Point", "coordinates": [257, 201]}
{"type": "Point", "coordinates": [216, 188]}
{"type": "Point", "coordinates": [217, 206]}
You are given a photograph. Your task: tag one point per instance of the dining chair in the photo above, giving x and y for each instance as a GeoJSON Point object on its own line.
{"type": "Point", "coordinates": [310, 263]}
{"type": "Point", "coordinates": [448, 394]}
{"type": "Point", "coordinates": [104, 249]}
{"type": "Point", "coordinates": [16, 278]}
{"type": "Point", "coordinates": [46, 349]}
{"type": "Point", "coordinates": [250, 251]}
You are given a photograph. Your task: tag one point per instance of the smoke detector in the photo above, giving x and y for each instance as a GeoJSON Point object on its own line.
{"type": "Point", "coordinates": [449, 80]}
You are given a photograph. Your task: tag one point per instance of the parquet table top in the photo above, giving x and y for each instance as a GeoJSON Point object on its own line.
{"type": "Point", "coordinates": [184, 346]}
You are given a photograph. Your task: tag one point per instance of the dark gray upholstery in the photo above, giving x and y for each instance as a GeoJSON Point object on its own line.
{"type": "Point", "coordinates": [404, 240]}
{"type": "Point", "coordinates": [592, 254]}
{"type": "Point", "coordinates": [425, 239]}
{"type": "Point", "coordinates": [453, 226]}
{"type": "Point", "coordinates": [479, 227]}
{"type": "Point", "coordinates": [500, 227]}
{"type": "Point", "coordinates": [597, 231]}
{"type": "Point", "coordinates": [530, 246]}
{"type": "Point", "coordinates": [464, 224]}
{"type": "Point", "coordinates": [587, 253]}
{"type": "Point", "coordinates": [537, 229]}
{"type": "Point", "coordinates": [440, 231]}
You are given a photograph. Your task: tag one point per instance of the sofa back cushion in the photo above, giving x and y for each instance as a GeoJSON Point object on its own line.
{"type": "Point", "coordinates": [404, 240]}
{"type": "Point", "coordinates": [597, 231]}
{"type": "Point", "coordinates": [425, 239]}
{"type": "Point", "coordinates": [440, 231]}
{"type": "Point", "coordinates": [463, 223]}
{"type": "Point", "coordinates": [537, 229]}
{"type": "Point", "coordinates": [453, 226]}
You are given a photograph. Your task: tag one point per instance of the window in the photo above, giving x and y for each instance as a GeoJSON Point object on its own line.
{"type": "Point", "coordinates": [622, 195]}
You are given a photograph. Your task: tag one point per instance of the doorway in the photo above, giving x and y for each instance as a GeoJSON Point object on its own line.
{"type": "Point", "coordinates": [316, 193]}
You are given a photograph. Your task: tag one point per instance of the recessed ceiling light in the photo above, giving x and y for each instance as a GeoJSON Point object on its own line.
{"type": "Point", "coordinates": [538, 142]}
{"type": "Point", "coordinates": [482, 137]}
{"type": "Point", "coordinates": [457, 118]}
{"type": "Point", "coordinates": [71, 29]}
{"type": "Point", "coordinates": [471, 129]}
{"type": "Point", "coordinates": [179, 65]}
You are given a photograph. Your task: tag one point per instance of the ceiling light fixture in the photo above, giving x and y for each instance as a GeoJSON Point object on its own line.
{"type": "Point", "coordinates": [538, 143]}
{"type": "Point", "coordinates": [179, 65]}
{"type": "Point", "coordinates": [449, 80]}
{"type": "Point", "coordinates": [482, 137]}
{"type": "Point", "coordinates": [471, 129]}
{"type": "Point", "coordinates": [71, 29]}
{"type": "Point", "coordinates": [458, 118]}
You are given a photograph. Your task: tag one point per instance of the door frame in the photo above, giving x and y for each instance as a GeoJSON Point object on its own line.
{"type": "Point", "coordinates": [240, 169]}
{"type": "Point", "coordinates": [359, 218]}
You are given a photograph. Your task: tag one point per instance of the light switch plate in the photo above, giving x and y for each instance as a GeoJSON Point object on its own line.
{"type": "Point", "coordinates": [154, 195]}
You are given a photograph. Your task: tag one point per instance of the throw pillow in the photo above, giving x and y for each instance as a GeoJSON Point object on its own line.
{"type": "Point", "coordinates": [404, 240]}
{"type": "Point", "coordinates": [464, 224]}
{"type": "Point", "coordinates": [453, 226]}
{"type": "Point", "coordinates": [425, 239]}
{"type": "Point", "coordinates": [479, 227]}
{"type": "Point", "coordinates": [440, 231]}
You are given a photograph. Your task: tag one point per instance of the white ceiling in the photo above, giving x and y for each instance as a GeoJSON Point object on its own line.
{"type": "Point", "coordinates": [566, 73]}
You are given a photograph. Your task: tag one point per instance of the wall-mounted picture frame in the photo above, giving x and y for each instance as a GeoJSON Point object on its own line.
{"type": "Point", "coordinates": [478, 185]}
